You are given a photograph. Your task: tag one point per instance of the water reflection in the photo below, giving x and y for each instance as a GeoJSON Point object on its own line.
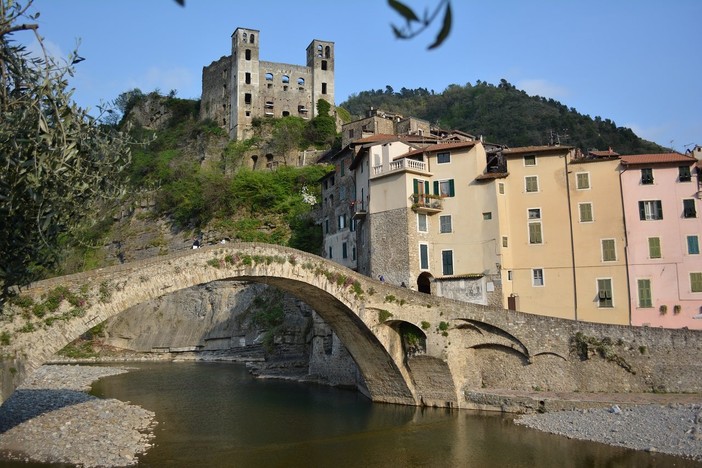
{"type": "Point", "coordinates": [215, 414]}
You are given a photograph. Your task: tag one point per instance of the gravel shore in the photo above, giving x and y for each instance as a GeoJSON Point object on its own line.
{"type": "Point", "coordinates": [51, 419]}
{"type": "Point", "coordinates": [674, 429]}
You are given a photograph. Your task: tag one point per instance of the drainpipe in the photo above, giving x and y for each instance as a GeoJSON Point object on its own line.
{"type": "Point", "coordinates": [626, 245]}
{"type": "Point", "coordinates": [572, 240]}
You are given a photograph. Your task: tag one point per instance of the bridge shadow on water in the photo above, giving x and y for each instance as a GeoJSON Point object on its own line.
{"type": "Point", "coordinates": [26, 404]}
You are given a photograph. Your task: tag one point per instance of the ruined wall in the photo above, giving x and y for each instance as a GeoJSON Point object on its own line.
{"type": "Point", "coordinates": [215, 102]}
{"type": "Point", "coordinates": [389, 228]}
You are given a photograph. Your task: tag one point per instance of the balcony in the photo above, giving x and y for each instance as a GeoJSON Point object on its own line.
{"type": "Point", "coordinates": [427, 204]}
{"type": "Point", "coordinates": [358, 209]}
{"type": "Point", "coordinates": [399, 165]}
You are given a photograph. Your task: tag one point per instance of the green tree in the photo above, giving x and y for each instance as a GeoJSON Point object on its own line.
{"type": "Point", "coordinates": [56, 162]}
{"type": "Point", "coordinates": [321, 130]}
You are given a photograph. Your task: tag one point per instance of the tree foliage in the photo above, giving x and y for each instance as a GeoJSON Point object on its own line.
{"type": "Point", "coordinates": [503, 114]}
{"type": "Point", "coordinates": [56, 161]}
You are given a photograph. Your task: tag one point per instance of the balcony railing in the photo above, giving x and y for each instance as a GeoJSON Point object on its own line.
{"type": "Point", "coordinates": [358, 209]}
{"type": "Point", "coordinates": [425, 203]}
{"type": "Point", "coordinates": [404, 164]}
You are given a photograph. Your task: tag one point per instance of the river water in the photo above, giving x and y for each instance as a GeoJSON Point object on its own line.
{"type": "Point", "coordinates": [217, 415]}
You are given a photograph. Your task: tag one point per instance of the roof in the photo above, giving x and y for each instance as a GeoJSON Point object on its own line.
{"type": "Point", "coordinates": [534, 149]}
{"type": "Point", "coordinates": [603, 154]}
{"type": "Point", "coordinates": [659, 158]}
{"type": "Point", "coordinates": [379, 137]}
{"type": "Point", "coordinates": [439, 147]}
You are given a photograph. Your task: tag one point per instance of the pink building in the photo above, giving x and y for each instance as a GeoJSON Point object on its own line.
{"type": "Point", "coordinates": [661, 198]}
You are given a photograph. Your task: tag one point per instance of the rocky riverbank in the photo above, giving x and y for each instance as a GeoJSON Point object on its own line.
{"type": "Point", "coordinates": [51, 419]}
{"type": "Point", "coordinates": [674, 429]}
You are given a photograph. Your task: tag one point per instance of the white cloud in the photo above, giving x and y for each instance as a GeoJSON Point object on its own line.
{"type": "Point", "coordinates": [540, 87]}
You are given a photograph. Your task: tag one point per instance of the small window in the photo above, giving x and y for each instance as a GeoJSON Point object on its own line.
{"type": "Point", "coordinates": [285, 79]}
{"type": "Point", "coordinates": [327, 52]}
{"type": "Point", "coordinates": [604, 292]}
{"type": "Point", "coordinates": [248, 54]}
{"type": "Point", "coordinates": [445, 223]}
{"type": "Point", "coordinates": [350, 133]}
{"type": "Point", "coordinates": [331, 252]}
{"type": "Point", "coordinates": [531, 183]}
{"type": "Point", "coordinates": [696, 282]}
{"type": "Point", "coordinates": [447, 262]}
{"type": "Point", "coordinates": [443, 158]}
{"type": "Point", "coordinates": [684, 174]}
{"type": "Point", "coordinates": [269, 76]}
{"type": "Point", "coordinates": [324, 88]}
{"type": "Point", "coordinates": [324, 64]}
{"type": "Point", "coordinates": [251, 38]}
{"type": "Point", "coordinates": [644, 293]}
{"type": "Point", "coordinates": [585, 212]}
{"type": "Point", "coordinates": [247, 78]}
{"type": "Point", "coordinates": [344, 250]}
{"type": "Point", "coordinates": [423, 256]}
{"type": "Point", "coordinates": [582, 180]}
{"type": "Point", "coordinates": [342, 222]}
{"type": "Point", "coordinates": [301, 81]}
{"type": "Point", "coordinates": [689, 210]}
{"type": "Point", "coordinates": [247, 98]}
{"type": "Point", "coordinates": [609, 250]}
{"type": "Point", "coordinates": [501, 188]}
{"type": "Point", "coordinates": [693, 245]}
{"type": "Point", "coordinates": [650, 210]}
{"type": "Point", "coordinates": [534, 213]}
{"type": "Point", "coordinates": [535, 236]}
{"type": "Point", "coordinates": [646, 176]}
{"type": "Point", "coordinates": [654, 247]}
{"type": "Point", "coordinates": [505, 241]}
{"type": "Point", "coordinates": [487, 216]}
{"type": "Point", "coordinates": [444, 188]}
{"type": "Point", "coordinates": [422, 225]}
{"type": "Point", "coordinates": [537, 277]}
{"type": "Point", "coordinates": [530, 160]}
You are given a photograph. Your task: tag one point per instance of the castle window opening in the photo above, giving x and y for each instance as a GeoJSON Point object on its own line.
{"type": "Point", "coordinates": [247, 79]}
{"type": "Point", "coordinates": [252, 38]}
{"type": "Point", "coordinates": [248, 54]}
{"type": "Point", "coordinates": [319, 50]}
{"type": "Point", "coordinates": [269, 76]}
{"type": "Point", "coordinates": [324, 64]}
{"type": "Point", "coordinates": [269, 104]}
{"type": "Point", "coordinates": [286, 79]}
{"type": "Point", "coordinates": [327, 52]}
{"type": "Point", "coordinates": [244, 36]}
{"type": "Point", "coordinates": [247, 98]}
{"type": "Point", "coordinates": [301, 109]}
{"type": "Point", "coordinates": [301, 81]}
{"type": "Point", "coordinates": [324, 88]}
{"type": "Point", "coordinates": [286, 113]}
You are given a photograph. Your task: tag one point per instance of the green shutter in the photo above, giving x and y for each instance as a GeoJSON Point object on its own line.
{"type": "Point", "coordinates": [415, 186]}
{"type": "Point", "coordinates": [585, 212]}
{"type": "Point", "coordinates": [654, 247]}
{"type": "Point", "coordinates": [696, 282]}
{"type": "Point", "coordinates": [452, 188]}
{"type": "Point", "coordinates": [426, 187]}
{"type": "Point", "coordinates": [535, 233]}
{"type": "Point", "coordinates": [436, 188]}
{"type": "Point", "coordinates": [693, 245]}
{"type": "Point", "coordinates": [642, 211]}
{"type": "Point", "coordinates": [609, 253]}
{"type": "Point", "coordinates": [644, 286]}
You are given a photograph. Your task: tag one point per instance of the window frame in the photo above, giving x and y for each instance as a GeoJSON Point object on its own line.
{"type": "Point", "coordinates": [529, 158]}
{"type": "Point", "coordinates": [605, 302]}
{"type": "Point", "coordinates": [647, 176]}
{"type": "Point", "coordinates": [439, 157]}
{"type": "Point", "coordinates": [654, 208]}
{"type": "Point", "coordinates": [538, 277]}
{"type": "Point", "coordinates": [426, 222]}
{"type": "Point", "coordinates": [447, 267]}
{"type": "Point", "coordinates": [654, 243]}
{"type": "Point", "coordinates": [423, 256]}
{"type": "Point", "coordinates": [438, 184]}
{"type": "Point", "coordinates": [696, 282]}
{"type": "Point", "coordinates": [442, 224]}
{"type": "Point", "coordinates": [587, 179]}
{"type": "Point", "coordinates": [607, 250]}
{"type": "Point", "coordinates": [534, 241]}
{"type": "Point", "coordinates": [643, 302]}
{"type": "Point", "coordinates": [695, 244]}
{"type": "Point", "coordinates": [689, 208]}
{"type": "Point", "coordinates": [535, 178]}
{"type": "Point", "coordinates": [580, 212]}
{"type": "Point", "coordinates": [684, 174]}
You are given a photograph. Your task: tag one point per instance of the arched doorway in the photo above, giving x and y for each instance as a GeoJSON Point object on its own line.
{"type": "Point", "coordinates": [424, 282]}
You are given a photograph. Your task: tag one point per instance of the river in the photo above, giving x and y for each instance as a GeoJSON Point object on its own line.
{"type": "Point", "coordinates": [217, 415]}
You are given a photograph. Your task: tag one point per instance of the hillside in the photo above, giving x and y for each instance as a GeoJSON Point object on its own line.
{"type": "Point", "coordinates": [503, 114]}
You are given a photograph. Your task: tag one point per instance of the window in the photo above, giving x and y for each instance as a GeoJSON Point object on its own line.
{"type": "Point", "coordinates": [443, 158]}
{"type": "Point", "coordinates": [585, 212]}
{"type": "Point", "coordinates": [342, 221]}
{"type": "Point", "coordinates": [326, 226]}
{"type": "Point", "coordinates": [535, 233]}
{"type": "Point", "coordinates": [285, 79]}
{"type": "Point", "coordinates": [696, 282]}
{"type": "Point", "coordinates": [646, 176]}
{"type": "Point", "coordinates": [423, 257]}
{"type": "Point", "coordinates": [604, 292]}
{"type": "Point", "coordinates": [487, 216]}
{"type": "Point", "coordinates": [248, 54]}
{"type": "Point", "coordinates": [324, 88]}
{"type": "Point", "coordinates": [247, 78]}
{"type": "Point", "coordinates": [330, 252]}
{"type": "Point", "coordinates": [501, 188]}
{"type": "Point", "coordinates": [689, 210]}
{"type": "Point", "coordinates": [609, 250]}
{"type": "Point", "coordinates": [650, 209]}
{"type": "Point", "coordinates": [445, 224]}
{"type": "Point", "coordinates": [344, 251]}
{"type": "Point", "coordinates": [324, 64]}
{"type": "Point", "coordinates": [445, 188]}
{"type": "Point", "coordinates": [654, 247]}
{"type": "Point", "coordinates": [350, 133]}
{"type": "Point", "coordinates": [534, 213]}
{"type": "Point", "coordinates": [644, 291]}
{"type": "Point", "coordinates": [505, 241]}
{"type": "Point", "coordinates": [269, 76]}
{"type": "Point", "coordinates": [530, 160]}
{"type": "Point", "coordinates": [693, 245]}
{"type": "Point", "coordinates": [684, 174]}
{"type": "Point", "coordinates": [301, 81]}
{"type": "Point", "coordinates": [247, 98]}
{"type": "Point", "coordinates": [353, 253]}
{"type": "Point", "coordinates": [582, 180]}
{"type": "Point", "coordinates": [537, 277]}
{"type": "Point", "coordinates": [422, 225]}
{"type": "Point", "coordinates": [447, 262]}
{"type": "Point", "coordinates": [531, 183]}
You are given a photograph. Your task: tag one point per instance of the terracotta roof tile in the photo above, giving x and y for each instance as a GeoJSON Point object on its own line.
{"type": "Point", "coordinates": [534, 149]}
{"type": "Point", "coordinates": [439, 147]}
{"type": "Point", "coordinates": [660, 158]}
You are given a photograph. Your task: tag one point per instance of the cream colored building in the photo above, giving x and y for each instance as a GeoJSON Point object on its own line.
{"type": "Point", "coordinates": [562, 235]}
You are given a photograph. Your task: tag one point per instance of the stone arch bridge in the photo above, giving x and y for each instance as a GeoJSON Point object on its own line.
{"type": "Point", "coordinates": [457, 347]}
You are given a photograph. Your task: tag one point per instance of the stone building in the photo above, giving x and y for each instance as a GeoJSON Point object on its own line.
{"type": "Point", "coordinates": [240, 87]}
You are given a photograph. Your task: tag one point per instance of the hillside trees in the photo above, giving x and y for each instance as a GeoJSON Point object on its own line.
{"type": "Point", "coordinates": [56, 162]}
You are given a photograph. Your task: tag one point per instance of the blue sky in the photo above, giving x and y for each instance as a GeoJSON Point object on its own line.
{"type": "Point", "coordinates": [636, 62]}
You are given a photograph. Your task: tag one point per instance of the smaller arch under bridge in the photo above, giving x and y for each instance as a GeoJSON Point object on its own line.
{"type": "Point", "coordinates": [462, 346]}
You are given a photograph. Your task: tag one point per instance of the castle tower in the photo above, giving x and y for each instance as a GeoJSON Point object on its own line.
{"type": "Point", "coordinates": [320, 60]}
{"type": "Point", "coordinates": [244, 81]}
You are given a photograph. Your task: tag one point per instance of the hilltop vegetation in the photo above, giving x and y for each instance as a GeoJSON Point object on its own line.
{"type": "Point", "coordinates": [503, 114]}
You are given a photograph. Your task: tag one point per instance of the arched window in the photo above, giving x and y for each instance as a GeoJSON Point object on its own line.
{"type": "Point", "coordinates": [248, 54]}
{"type": "Point", "coordinates": [254, 159]}
{"type": "Point", "coordinates": [251, 38]}
{"type": "Point", "coordinates": [269, 76]}
{"type": "Point", "coordinates": [301, 81]}
{"type": "Point", "coordinates": [319, 50]}
{"type": "Point", "coordinates": [286, 79]}
{"type": "Point", "coordinates": [244, 37]}
{"type": "Point", "coordinates": [327, 52]}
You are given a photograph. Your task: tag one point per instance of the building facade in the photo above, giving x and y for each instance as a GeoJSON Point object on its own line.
{"type": "Point", "coordinates": [241, 87]}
